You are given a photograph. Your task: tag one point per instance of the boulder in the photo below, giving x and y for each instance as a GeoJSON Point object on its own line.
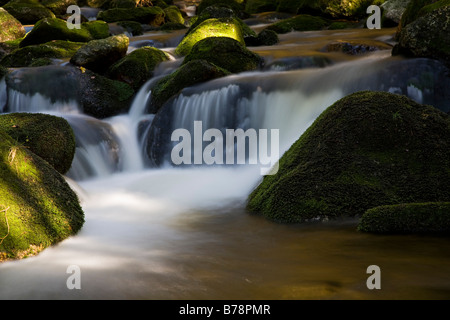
{"type": "Point", "coordinates": [221, 27]}
{"type": "Point", "coordinates": [265, 38]}
{"type": "Point", "coordinates": [393, 11]}
{"type": "Point", "coordinates": [99, 55]}
{"type": "Point", "coordinates": [302, 22]}
{"type": "Point", "coordinates": [58, 7]}
{"type": "Point", "coordinates": [132, 27]}
{"type": "Point", "coordinates": [173, 14]}
{"type": "Point", "coordinates": [56, 29]}
{"type": "Point", "coordinates": [236, 5]}
{"type": "Point", "coordinates": [418, 8]}
{"type": "Point", "coordinates": [138, 66]}
{"type": "Point", "coordinates": [428, 36]}
{"type": "Point", "coordinates": [366, 150]}
{"type": "Point", "coordinates": [189, 74]}
{"type": "Point", "coordinates": [146, 15]}
{"type": "Point", "coordinates": [28, 11]}
{"type": "Point", "coordinates": [36, 55]}
{"type": "Point", "coordinates": [258, 6]}
{"type": "Point", "coordinates": [47, 136]}
{"type": "Point", "coordinates": [10, 27]}
{"type": "Point", "coordinates": [226, 53]}
{"type": "Point", "coordinates": [38, 208]}
{"type": "Point", "coordinates": [356, 47]}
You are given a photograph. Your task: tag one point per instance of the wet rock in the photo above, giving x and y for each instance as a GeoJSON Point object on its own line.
{"type": "Point", "coordinates": [10, 27]}
{"type": "Point", "coordinates": [146, 15]}
{"type": "Point", "coordinates": [302, 22]}
{"type": "Point", "coordinates": [28, 11]}
{"type": "Point", "coordinates": [356, 47]}
{"type": "Point", "coordinates": [173, 14]}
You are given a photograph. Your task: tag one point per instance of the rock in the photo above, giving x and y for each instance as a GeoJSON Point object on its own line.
{"type": "Point", "coordinates": [38, 208]}
{"type": "Point", "coordinates": [236, 5]}
{"type": "Point", "coordinates": [302, 22]}
{"type": "Point", "coordinates": [99, 55]}
{"type": "Point", "coordinates": [356, 47]}
{"type": "Point", "coordinates": [418, 218]}
{"type": "Point", "coordinates": [264, 38]}
{"type": "Point", "coordinates": [295, 63]}
{"type": "Point", "coordinates": [56, 29]}
{"type": "Point", "coordinates": [102, 97]}
{"type": "Point", "coordinates": [393, 11]}
{"type": "Point", "coordinates": [173, 14]}
{"type": "Point", "coordinates": [258, 6]}
{"type": "Point", "coordinates": [132, 27]}
{"type": "Point", "coordinates": [58, 7]}
{"type": "Point", "coordinates": [187, 75]}
{"type": "Point", "coordinates": [428, 36]}
{"type": "Point", "coordinates": [138, 66]}
{"type": "Point", "coordinates": [289, 6]}
{"type": "Point", "coordinates": [47, 136]}
{"type": "Point", "coordinates": [169, 26]}
{"type": "Point", "coordinates": [225, 53]}
{"type": "Point", "coordinates": [28, 11]}
{"type": "Point", "coordinates": [221, 27]}
{"type": "Point", "coordinates": [418, 8]}
{"type": "Point", "coordinates": [33, 55]}
{"type": "Point", "coordinates": [10, 27]}
{"type": "Point", "coordinates": [366, 150]}
{"type": "Point", "coordinates": [146, 15]}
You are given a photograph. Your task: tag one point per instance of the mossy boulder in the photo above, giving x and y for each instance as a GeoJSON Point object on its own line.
{"type": "Point", "coordinates": [302, 22]}
{"type": "Point", "coordinates": [170, 26]}
{"type": "Point", "coordinates": [189, 74]}
{"type": "Point", "coordinates": [428, 36]}
{"type": "Point", "coordinates": [102, 97]}
{"type": "Point", "coordinates": [132, 27]}
{"type": "Point", "coordinates": [221, 27]}
{"type": "Point", "coordinates": [226, 53]}
{"type": "Point", "coordinates": [28, 11]}
{"type": "Point", "coordinates": [355, 9]}
{"type": "Point", "coordinates": [418, 8]}
{"type": "Point", "coordinates": [99, 55]}
{"type": "Point", "coordinates": [258, 6]}
{"type": "Point", "coordinates": [34, 55]}
{"type": "Point", "coordinates": [138, 66]}
{"type": "Point", "coordinates": [58, 7]}
{"type": "Point", "coordinates": [10, 27]}
{"type": "Point", "coordinates": [146, 15]}
{"type": "Point", "coordinates": [393, 11]}
{"type": "Point", "coordinates": [417, 218]}
{"type": "Point", "coordinates": [47, 136]}
{"type": "Point", "coordinates": [236, 5]}
{"type": "Point", "coordinates": [173, 14]}
{"type": "Point", "coordinates": [56, 29]}
{"type": "Point", "coordinates": [37, 206]}
{"type": "Point", "coordinates": [366, 150]}
{"type": "Point", "coordinates": [289, 6]}
{"type": "Point", "coordinates": [265, 38]}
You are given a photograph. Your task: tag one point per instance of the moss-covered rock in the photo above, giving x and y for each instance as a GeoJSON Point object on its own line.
{"type": "Point", "coordinates": [10, 27]}
{"type": "Point", "coordinates": [47, 136]}
{"type": "Point", "coordinates": [28, 11]}
{"type": "Point", "coordinates": [302, 22]}
{"type": "Point", "coordinates": [393, 11]}
{"type": "Point", "coordinates": [58, 7]}
{"type": "Point", "coordinates": [173, 14]}
{"type": "Point", "coordinates": [289, 6]}
{"type": "Point", "coordinates": [29, 56]}
{"type": "Point", "coordinates": [258, 6]}
{"type": "Point", "coordinates": [147, 15]}
{"type": "Point", "coordinates": [189, 74]}
{"type": "Point", "coordinates": [418, 8]}
{"type": "Point", "coordinates": [221, 27]}
{"type": "Point", "coordinates": [355, 9]}
{"type": "Point", "coordinates": [428, 36]}
{"type": "Point", "coordinates": [102, 97]}
{"type": "Point", "coordinates": [132, 27]}
{"type": "Point", "coordinates": [170, 26]}
{"type": "Point", "coordinates": [236, 5]}
{"type": "Point", "coordinates": [226, 53]}
{"type": "Point", "coordinates": [265, 38]}
{"type": "Point", "coordinates": [418, 218]}
{"type": "Point", "coordinates": [37, 206]}
{"type": "Point", "coordinates": [138, 66]}
{"type": "Point", "coordinates": [99, 55]}
{"type": "Point", "coordinates": [366, 150]}
{"type": "Point", "coordinates": [56, 29]}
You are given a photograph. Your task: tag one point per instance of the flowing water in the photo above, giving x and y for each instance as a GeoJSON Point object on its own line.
{"type": "Point", "coordinates": [154, 231]}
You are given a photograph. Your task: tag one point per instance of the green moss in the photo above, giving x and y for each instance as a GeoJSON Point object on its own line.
{"type": "Point", "coordinates": [431, 217]}
{"type": "Point", "coordinates": [146, 15]}
{"type": "Point", "coordinates": [56, 29]}
{"type": "Point", "coordinates": [47, 136]}
{"type": "Point", "coordinates": [38, 208]}
{"type": "Point", "coordinates": [173, 14]}
{"type": "Point", "coordinates": [226, 53]}
{"type": "Point", "coordinates": [10, 27]}
{"type": "Point", "coordinates": [301, 22]}
{"type": "Point", "coordinates": [235, 5]}
{"type": "Point", "coordinates": [138, 66]}
{"type": "Point", "coordinates": [289, 6]}
{"type": "Point", "coordinates": [58, 7]}
{"type": "Point", "coordinates": [28, 56]}
{"type": "Point", "coordinates": [133, 27]}
{"type": "Point", "coordinates": [366, 150]}
{"type": "Point", "coordinates": [418, 8]}
{"type": "Point", "coordinates": [169, 26]}
{"type": "Point", "coordinates": [189, 74]}
{"type": "Point", "coordinates": [28, 11]}
{"type": "Point", "coordinates": [222, 27]}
